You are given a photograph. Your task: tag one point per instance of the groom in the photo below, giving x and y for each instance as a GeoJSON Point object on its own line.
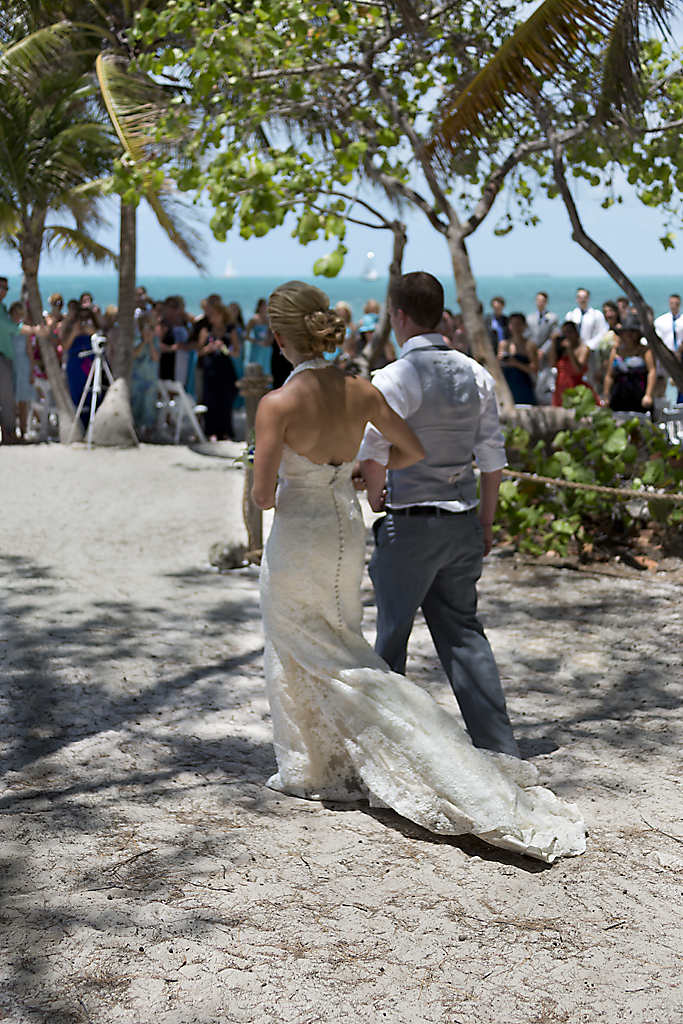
{"type": "Point", "coordinates": [432, 541]}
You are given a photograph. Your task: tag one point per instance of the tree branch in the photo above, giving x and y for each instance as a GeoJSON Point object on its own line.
{"type": "Point", "coordinates": [496, 180]}
{"type": "Point", "coordinates": [393, 187]}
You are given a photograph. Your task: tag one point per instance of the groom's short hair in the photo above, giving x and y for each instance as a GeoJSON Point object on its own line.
{"type": "Point", "coordinates": [420, 296]}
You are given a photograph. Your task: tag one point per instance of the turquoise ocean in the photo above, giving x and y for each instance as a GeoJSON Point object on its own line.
{"type": "Point", "coordinates": [518, 291]}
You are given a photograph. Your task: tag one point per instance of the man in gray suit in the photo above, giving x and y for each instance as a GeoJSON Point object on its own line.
{"type": "Point", "coordinates": [432, 541]}
{"type": "Point", "coordinates": [541, 324]}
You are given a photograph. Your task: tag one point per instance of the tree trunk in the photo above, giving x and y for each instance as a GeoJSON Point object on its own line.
{"type": "Point", "coordinates": [70, 428]}
{"type": "Point", "coordinates": [667, 358]}
{"type": "Point", "coordinates": [113, 421]}
{"type": "Point", "coordinates": [470, 306]}
{"type": "Point", "coordinates": [381, 335]}
{"type": "Point", "coordinates": [125, 344]}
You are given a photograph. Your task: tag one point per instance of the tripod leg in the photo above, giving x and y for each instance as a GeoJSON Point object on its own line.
{"type": "Point", "coordinates": [96, 389]}
{"type": "Point", "coordinates": [84, 395]}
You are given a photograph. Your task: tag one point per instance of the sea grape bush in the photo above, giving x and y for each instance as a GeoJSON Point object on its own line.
{"type": "Point", "coordinates": [600, 450]}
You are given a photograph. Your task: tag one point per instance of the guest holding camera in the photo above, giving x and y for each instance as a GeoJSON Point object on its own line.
{"type": "Point", "coordinates": [570, 355]}
{"type": "Point", "coordinates": [76, 341]}
{"type": "Point", "coordinates": [217, 343]}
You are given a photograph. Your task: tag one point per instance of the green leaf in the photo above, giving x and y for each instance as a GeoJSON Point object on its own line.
{"type": "Point", "coordinates": [617, 442]}
{"type": "Point", "coordinates": [331, 264]}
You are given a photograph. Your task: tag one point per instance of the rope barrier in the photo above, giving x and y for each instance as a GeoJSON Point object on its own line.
{"type": "Point", "coordinates": [620, 492]}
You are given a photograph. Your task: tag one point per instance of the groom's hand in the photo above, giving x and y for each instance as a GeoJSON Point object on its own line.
{"type": "Point", "coordinates": [374, 474]}
{"type": "Point", "coordinates": [488, 538]}
{"type": "Point", "coordinates": [357, 478]}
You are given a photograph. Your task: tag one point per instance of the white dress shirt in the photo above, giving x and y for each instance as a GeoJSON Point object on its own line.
{"type": "Point", "coordinates": [591, 323]}
{"type": "Point", "coordinates": [664, 326]}
{"type": "Point", "coordinates": [399, 382]}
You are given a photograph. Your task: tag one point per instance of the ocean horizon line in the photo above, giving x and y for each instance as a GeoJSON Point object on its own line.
{"type": "Point", "coordinates": [519, 289]}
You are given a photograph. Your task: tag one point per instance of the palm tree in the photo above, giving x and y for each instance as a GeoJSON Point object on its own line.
{"type": "Point", "coordinates": [608, 36]}
{"type": "Point", "coordinates": [99, 39]}
{"type": "Point", "coordinates": [135, 104]}
{"type": "Point", "coordinates": [51, 151]}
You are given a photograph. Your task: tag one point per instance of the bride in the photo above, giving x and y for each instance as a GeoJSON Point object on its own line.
{"type": "Point", "coordinates": [346, 727]}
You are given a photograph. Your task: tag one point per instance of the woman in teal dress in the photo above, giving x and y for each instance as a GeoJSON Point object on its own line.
{"type": "Point", "coordinates": [258, 346]}
{"type": "Point", "coordinates": [143, 384]}
{"type": "Point", "coordinates": [238, 360]}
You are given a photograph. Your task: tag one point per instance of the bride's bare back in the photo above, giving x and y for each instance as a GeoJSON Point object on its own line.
{"type": "Point", "coordinates": [322, 415]}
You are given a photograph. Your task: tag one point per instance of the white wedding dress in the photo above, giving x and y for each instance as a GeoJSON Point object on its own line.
{"type": "Point", "coordinates": [346, 727]}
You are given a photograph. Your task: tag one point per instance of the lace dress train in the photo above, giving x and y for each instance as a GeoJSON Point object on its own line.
{"type": "Point", "coordinates": [344, 725]}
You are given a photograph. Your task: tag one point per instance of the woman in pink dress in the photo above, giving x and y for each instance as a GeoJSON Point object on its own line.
{"type": "Point", "coordinates": [570, 356]}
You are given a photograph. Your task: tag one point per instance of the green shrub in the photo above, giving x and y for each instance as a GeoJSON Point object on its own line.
{"type": "Point", "coordinates": [634, 454]}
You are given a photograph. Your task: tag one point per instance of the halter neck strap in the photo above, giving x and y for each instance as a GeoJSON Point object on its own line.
{"type": "Point", "coordinates": [310, 364]}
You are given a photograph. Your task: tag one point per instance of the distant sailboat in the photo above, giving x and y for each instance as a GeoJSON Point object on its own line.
{"type": "Point", "coordinates": [230, 270]}
{"type": "Point", "coordinates": [370, 270]}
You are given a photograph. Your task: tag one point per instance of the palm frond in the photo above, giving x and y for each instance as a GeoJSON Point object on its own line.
{"type": "Point", "coordinates": [9, 220]}
{"type": "Point", "coordinates": [54, 47]}
{"type": "Point", "coordinates": [78, 243]}
{"type": "Point", "coordinates": [621, 59]}
{"type": "Point", "coordinates": [544, 42]}
{"type": "Point", "coordinates": [169, 211]}
{"type": "Point", "coordinates": [135, 104]}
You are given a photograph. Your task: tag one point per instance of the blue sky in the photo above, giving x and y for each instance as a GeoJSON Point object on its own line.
{"type": "Point", "coordinates": [629, 232]}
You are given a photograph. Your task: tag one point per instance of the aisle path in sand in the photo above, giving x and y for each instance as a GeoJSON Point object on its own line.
{"type": "Point", "coordinates": [148, 875]}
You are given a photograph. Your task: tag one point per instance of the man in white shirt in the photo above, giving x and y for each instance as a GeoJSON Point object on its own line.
{"type": "Point", "coordinates": [431, 544]}
{"type": "Point", "coordinates": [669, 326]}
{"type": "Point", "coordinates": [590, 322]}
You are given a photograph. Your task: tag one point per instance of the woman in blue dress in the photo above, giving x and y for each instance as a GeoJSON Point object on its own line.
{"type": "Point", "coordinates": [77, 340]}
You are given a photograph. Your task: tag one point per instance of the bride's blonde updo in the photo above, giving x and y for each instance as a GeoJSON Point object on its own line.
{"type": "Point", "coordinates": [301, 314]}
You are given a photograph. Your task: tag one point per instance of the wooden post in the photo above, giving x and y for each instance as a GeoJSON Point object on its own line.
{"type": "Point", "coordinates": [253, 386]}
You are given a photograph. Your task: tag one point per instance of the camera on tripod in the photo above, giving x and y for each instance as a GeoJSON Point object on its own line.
{"type": "Point", "coordinates": [98, 342]}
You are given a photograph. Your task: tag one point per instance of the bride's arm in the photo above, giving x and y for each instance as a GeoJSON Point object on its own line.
{"type": "Point", "coordinates": [405, 446]}
{"type": "Point", "coordinates": [270, 436]}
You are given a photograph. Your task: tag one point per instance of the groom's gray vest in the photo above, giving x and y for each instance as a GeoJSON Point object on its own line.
{"type": "Point", "coordinates": [446, 423]}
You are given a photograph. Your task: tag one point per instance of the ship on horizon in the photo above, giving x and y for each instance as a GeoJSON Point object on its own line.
{"type": "Point", "coordinates": [370, 272]}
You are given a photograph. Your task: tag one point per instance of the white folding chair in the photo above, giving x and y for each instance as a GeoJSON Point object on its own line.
{"type": "Point", "coordinates": [40, 410]}
{"type": "Point", "coordinates": [176, 409]}
{"type": "Point", "coordinates": [672, 422]}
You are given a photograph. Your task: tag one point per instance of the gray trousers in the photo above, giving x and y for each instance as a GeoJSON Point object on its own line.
{"type": "Point", "coordinates": [434, 563]}
{"type": "Point", "coordinates": [6, 401]}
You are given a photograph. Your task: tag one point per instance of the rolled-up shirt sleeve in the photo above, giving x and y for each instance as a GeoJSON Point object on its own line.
{"type": "Point", "coordinates": [489, 444]}
{"type": "Point", "coordinates": [400, 384]}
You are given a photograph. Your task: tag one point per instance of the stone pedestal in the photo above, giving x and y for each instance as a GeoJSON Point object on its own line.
{"type": "Point", "coordinates": [253, 386]}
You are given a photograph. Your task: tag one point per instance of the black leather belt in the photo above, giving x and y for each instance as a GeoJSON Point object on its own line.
{"type": "Point", "coordinates": [427, 510]}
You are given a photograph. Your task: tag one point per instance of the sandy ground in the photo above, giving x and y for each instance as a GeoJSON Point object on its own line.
{"type": "Point", "coordinates": [149, 875]}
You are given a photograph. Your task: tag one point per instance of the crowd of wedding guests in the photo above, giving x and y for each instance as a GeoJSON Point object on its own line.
{"type": "Point", "coordinates": [206, 354]}
{"type": "Point", "coordinates": [541, 355]}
